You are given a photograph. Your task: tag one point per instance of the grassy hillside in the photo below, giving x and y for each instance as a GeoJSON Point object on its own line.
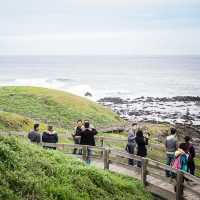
{"type": "Point", "coordinates": [29, 172]}
{"type": "Point", "coordinates": [10, 121]}
{"type": "Point", "coordinates": [59, 108]}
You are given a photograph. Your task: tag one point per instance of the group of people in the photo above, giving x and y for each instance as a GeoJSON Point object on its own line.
{"type": "Point", "coordinates": [49, 136]}
{"type": "Point", "coordinates": [84, 135]}
{"type": "Point", "coordinates": [179, 156]}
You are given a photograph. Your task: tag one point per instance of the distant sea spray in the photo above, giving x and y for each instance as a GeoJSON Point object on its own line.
{"type": "Point", "coordinates": [64, 84]}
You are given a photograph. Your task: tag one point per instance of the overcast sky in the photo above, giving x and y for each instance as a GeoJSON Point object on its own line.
{"type": "Point", "coordinates": [144, 27]}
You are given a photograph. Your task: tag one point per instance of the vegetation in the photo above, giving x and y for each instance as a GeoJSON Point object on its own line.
{"type": "Point", "coordinates": [20, 107]}
{"type": "Point", "coordinates": [62, 109]}
{"type": "Point", "coordinates": [155, 130]}
{"type": "Point", "coordinates": [29, 172]}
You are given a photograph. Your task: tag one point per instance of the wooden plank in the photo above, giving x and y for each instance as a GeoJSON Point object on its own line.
{"type": "Point", "coordinates": [179, 185]}
{"type": "Point", "coordinates": [44, 144]}
{"type": "Point", "coordinates": [163, 178]}
{"type": "Point", "coordinates": [100, 138]}
{"type": "Point", "coordinates": [96, 147]}
{"type": "Point", "coordinates": [192, 178]}
{"type": "Point", "coordinates": [161, 192]}
{"type": "Point", "coordinates": [125, 155]}
{"type": "Point", "coordinates": [161, 166]}
{"type": "Point", "coordinates": [126, 166]}
{"type": "Point", "coordinates": [192, 190]}
{"type": "Point", "coordinates": [106, 158]}
{"type": "Point", "coordinates": [144, 171]}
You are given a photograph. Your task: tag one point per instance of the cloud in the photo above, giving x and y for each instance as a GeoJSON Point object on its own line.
{"type": "Point", "coordinates": [99, 26]}
{"type": "Point", "coordinates": [137, 3]}
{"type": "Point", "coordinates": [150, 42]}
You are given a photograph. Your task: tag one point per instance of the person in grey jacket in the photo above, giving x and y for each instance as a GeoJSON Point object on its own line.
{"type": "Point", "coordinates": [130, 147]}
{"type": "Point", "coordinates": [171, 146]}
{"type": "Point", "coordinates": [34, 135]}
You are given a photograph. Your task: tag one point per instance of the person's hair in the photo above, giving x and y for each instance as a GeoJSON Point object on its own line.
{"type": "Point", "coordinates": [134, 124]}
{"type": "Point", "coordinates": [183, 146]}
{"type": "Point", "coordinates": [79, 120]}
{"type": "Point", "coordinates": [173, 131]}
{"type": "Point", "coordinates": [86, 124]}
{"type": "Point", "coordinates": [35, 126]}
{"type": "Point", "coordinates": [139, 133]}
{"type": "Point", "coordinates": [50, 128]}
{"type": "Point", "coordinates": [187, 138]}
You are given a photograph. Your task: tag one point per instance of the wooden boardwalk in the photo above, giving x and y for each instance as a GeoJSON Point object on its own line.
{"type": "Point", "coordinates": [159, 187]}
{"type": "Point", "coordinates": [162, 186]}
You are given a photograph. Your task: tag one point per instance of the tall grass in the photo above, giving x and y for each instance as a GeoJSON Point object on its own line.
{"type": "Point", "coordinates": [29, 172]}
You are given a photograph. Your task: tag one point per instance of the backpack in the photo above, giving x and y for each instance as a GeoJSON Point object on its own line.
{"type": "Point", "coordinates": [176, 163]}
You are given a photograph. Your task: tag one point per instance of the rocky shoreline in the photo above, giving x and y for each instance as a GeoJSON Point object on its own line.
{"type": "Point", "coordinates": [179, 109]}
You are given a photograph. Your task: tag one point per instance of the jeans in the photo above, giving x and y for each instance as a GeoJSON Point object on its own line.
{"type": "Point", "coordinates": [77, 141]}
{"type": "Point", "coordinates": [89, 154]}
{"type": "Point", "coordinates": [130, 149]}
{"type": "Point", "coordinates": [170, 158]}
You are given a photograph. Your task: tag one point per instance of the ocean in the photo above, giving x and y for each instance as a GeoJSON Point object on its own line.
{"type": "Point", "coordinates": [106, 76]}
{"type": "Point", "coordinates": [127, 77]}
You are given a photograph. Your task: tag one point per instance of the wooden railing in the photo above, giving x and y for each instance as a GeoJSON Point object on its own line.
{"type": "Point", "coordinates": [151, 172]}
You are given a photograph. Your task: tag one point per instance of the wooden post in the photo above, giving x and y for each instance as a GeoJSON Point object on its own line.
{"type": "Point", "coordinates": [84, 153]}
{"type": "Point", "coordinates": [106, 158]}
{"type": "Point", "coordinates": [144, 171]}
{"type": "Point", "coordinates": [101, 140]}
{"type": "Point", "coordinates": [179, 185]}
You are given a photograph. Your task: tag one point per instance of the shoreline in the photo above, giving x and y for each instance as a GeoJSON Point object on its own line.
{"type": "Point", "coordinates": [178, 109]}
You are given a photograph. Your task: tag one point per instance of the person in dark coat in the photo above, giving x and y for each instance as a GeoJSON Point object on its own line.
{"type": "Point", "coordinates": [77, 132]}
{"type": "Point", "coordinates": [87, 138]}
{"type": "Point", "coordinates": [50, 136]}
{"type": "Point", "coordinates": [141, 142]}
{"type": "Point", "coordinates": [34, 135]}
{"type": "Point", "coordinates": [190, 150]}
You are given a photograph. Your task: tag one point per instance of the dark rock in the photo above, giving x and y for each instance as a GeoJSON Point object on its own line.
{"type": "Point", "coordinates": [115, 100]}
{"type": "Point", "coordinates": [88, 94]}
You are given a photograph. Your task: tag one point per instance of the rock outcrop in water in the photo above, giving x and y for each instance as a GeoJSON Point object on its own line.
{"type": "Point", "coordinates": [179, 109]}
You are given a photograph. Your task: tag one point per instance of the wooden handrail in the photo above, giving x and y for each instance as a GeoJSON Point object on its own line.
{"type": "Point", "coordinates": [145, 170]}
{"type": "Point", "coordinates": [147, 165]}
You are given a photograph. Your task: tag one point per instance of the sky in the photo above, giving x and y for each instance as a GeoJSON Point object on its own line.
{"type": "Point", "coordinates": [87, 27]}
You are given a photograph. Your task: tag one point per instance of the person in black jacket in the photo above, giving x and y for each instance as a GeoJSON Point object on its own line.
{"type": "Point", "coordinates": [77, 132]}
{"type": "Point", "coordinates": [87, 138]}
{"type": "Point", "coordinates": [190, 150]}
{"type": "Point", "coordinates": [141, 142]}
{"type": "Point", "coordinates": [50, 136]}
{"type": "Point", "coordinates": [34, 135]}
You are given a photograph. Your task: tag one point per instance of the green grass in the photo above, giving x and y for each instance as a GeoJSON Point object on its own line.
{"type": "Point", "coordinates": [59, 108]}
{"type": "Point", "coordinates": [28, 172]}
{"type": "Point", "coordinates": [14, 121]}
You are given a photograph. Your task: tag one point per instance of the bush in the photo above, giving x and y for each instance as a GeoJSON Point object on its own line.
{"type": "Point", "coordinates": [32, 173]}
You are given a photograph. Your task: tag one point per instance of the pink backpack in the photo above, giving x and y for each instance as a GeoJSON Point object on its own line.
{"type": "Point", "coordinates": [176, 164]}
